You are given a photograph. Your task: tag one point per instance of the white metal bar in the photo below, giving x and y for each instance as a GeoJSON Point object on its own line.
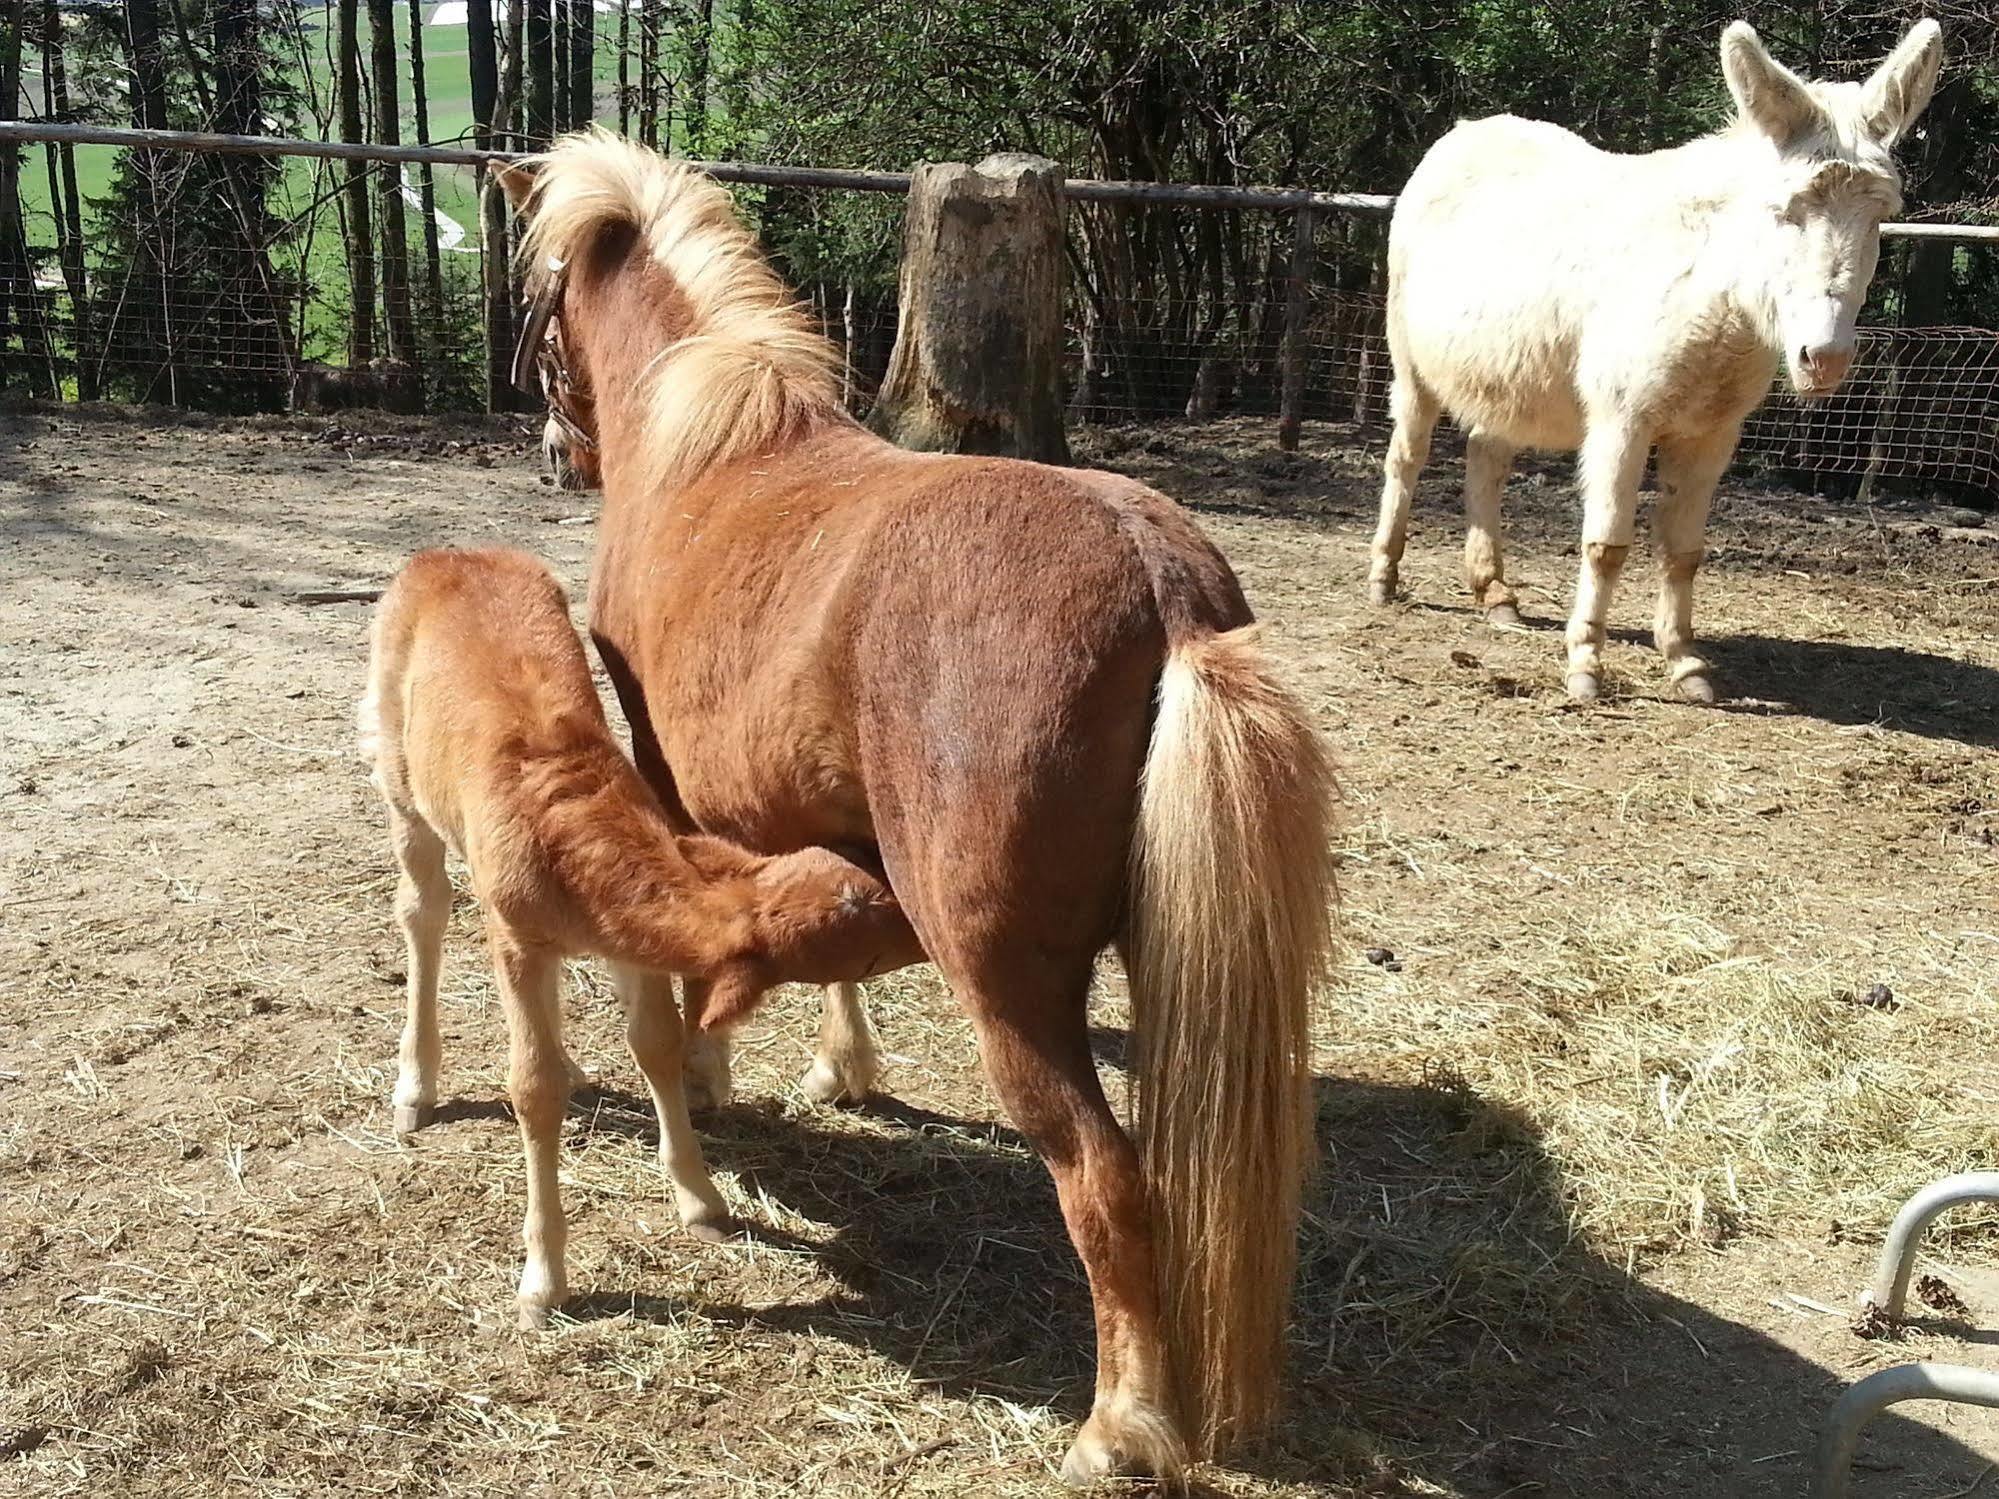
{"type": "Point", "coordinates": [1867, 1398]}
{"type": "Point", "coordinates": [1890, 1291]}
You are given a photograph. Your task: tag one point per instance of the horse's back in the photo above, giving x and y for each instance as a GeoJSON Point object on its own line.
{"type": "Point", "coordinates": [917, 651]}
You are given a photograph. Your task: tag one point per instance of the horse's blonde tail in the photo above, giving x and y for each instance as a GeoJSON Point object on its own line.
{"type": "Point", "coordinates": [1232, 884]}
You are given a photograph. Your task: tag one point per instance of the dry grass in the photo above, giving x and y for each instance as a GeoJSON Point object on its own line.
{"type": "Point", "coordinates": [1620, 1099]}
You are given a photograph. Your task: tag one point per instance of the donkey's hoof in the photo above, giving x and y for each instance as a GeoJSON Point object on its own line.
{"type": "Point", "coordinates": [823, 1083]}
{"type": "Point", "coordinates": [1696, 688]}
{"type": "Point", "coordinates": [1584, 686]}
{"type": "Point", "coordinates": [1505, 617]}
{"type": "Point", "coordinates": [411, 1117]}
{"type": "Point", "coordinates": [1380, 591]}
{"type": "Point", "coordinates": [531, 1316]}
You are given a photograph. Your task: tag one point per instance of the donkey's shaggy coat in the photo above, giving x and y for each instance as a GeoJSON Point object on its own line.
{"type": "Point", "coordinates": [1550, 295]}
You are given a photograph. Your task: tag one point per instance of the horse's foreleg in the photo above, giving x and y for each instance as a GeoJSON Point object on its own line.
{"type": "Point", "coordinates": [538, 1082]}
{"type": "Point", "coordinates": [1034, 1042]}
{"type": "Point", "coordinates": [846, 1061]}
{"type": "Point", "coordinates": [1688, 473]}
{"type": "Point", "coordinates": [423, 907]}
{"type": "Point", "coordinates": [706, 1070]}
{"type": "Point", "coordinates": [654, 1032]}
{"type": "Point", "coordinates": [1488, 460]}
{"type": "Point", "coordinates": [1609, 467]}
{"type": "Point", "coordinates": [1415, 411]}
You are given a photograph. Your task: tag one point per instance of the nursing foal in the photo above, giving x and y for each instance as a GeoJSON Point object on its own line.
{"type": "Point", "coordinates": [1550, 295]}
{"type": "Point", "coordinates": [487, 735]}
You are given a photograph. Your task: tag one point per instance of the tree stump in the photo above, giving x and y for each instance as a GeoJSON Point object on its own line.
{"type": "Point", "coordinates": [977, 366]}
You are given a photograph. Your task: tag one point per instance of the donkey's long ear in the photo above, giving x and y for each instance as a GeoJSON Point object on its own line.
{"type": "Point", "coordinates": [1902, 85]}
{"type": "Point", "coordinates": [1765, 90]}
{"type": "Point", "coordinates": [517, 180]}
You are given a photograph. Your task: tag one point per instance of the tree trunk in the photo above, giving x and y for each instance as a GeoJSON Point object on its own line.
{"type": "Point", "coordinates": [977, 366]}
{"type": "Point", "coordinates": [559, 12]}
{"type": "Point", "coordinates": [146, 67]}
{"type": "Point", "coordinates": [484, 67]}
{"type": "Point", "coordinates": [539, 61]}
{"type": "Point", "coordinates": [698, 45]}
{"type": "Point", "coordinates": [582, 63]}
{"type": "Point", "coordinates": [433, 255]}
{"type": "Point", "coordinates": [624, 67]}
{"type": "Point", "coordinates": [238, 110]}
{"type": "Point", "coordinates": [1296, 352]}
{"type": "Point", "coordinates": [404, 359]}
{"type": "Point", "coordinates": [360, 237]}
{"type": "Point", "coordinates": [649, 73]}
{"type": "Point", "coordinates": [66, 201]}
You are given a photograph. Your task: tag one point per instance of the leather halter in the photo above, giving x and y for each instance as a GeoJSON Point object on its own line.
{"type": "Point", "coordinates": [538, 364]}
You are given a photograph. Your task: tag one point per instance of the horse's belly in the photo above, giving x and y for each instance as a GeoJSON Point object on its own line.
{"type": "Point", "coordinates": [1520, 389]}
{"type": "Point", "coordinates": [767, 784]}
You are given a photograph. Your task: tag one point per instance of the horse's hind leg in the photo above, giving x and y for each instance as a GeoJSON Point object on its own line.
{"type": "Point", "coordinates": [846, 1060]}
{"type": "Point", "coordinates": [654, 1032]}
{"type": "Point", "coordinates": [1415, 411]}
{"type": "Point", "coordinates": [1488, 460]}
{"type": "Point", "coordinates": [423, 907]}
{"type": "Point", "coordinates": [1688, 473]}
{"type": "Point", "coordinates": [1033, 1039]}
{"type": "Point", "coordinates": [538, 1082]}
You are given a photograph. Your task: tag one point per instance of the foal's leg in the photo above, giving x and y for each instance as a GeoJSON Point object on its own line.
{"type": "Point", "coordinates": [1488, 460]}
{"type": "Point", "coordinates": [1688, 473]}
{"type": "Point", "coordinates": [1034, 1042]}
{"type": "Point", "coordinates": [423, 906]}
{"type": "Point", "coordinates": [1609, 467]}
{"type": "Point", "coordinates": [538, 1081]}
{"type": "Point", "coordinates": [709, 1082]}
{"type": "Point", "coordinates": [653, 1031]}
{"type": "Point", "coordinates": [847, 1061]}
{"type": "Point", "coordinates": [1415, 412]}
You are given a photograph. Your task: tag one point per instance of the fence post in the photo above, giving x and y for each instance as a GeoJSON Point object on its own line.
{"type": "Point", "coordinates": [1291, 403]}
{"type": "Point", "coordinates": [977, 366]}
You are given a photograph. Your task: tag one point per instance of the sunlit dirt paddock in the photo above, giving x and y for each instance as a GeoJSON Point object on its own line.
{"type": "Point", "coordinates": [1648, 1016]}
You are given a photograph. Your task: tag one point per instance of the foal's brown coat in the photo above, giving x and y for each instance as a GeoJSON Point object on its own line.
{"type": "Point", "coordinates": [487, 735]}
{"type": "Point", "coordinates": [1033, 689]}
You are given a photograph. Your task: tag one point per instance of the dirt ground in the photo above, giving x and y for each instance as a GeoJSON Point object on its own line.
{"type": "Point", "coordinates": [1650, 1015]}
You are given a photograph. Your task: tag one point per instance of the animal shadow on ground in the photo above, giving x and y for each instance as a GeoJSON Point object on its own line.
{"type": "Point", "coordinates": [1449, 1330]}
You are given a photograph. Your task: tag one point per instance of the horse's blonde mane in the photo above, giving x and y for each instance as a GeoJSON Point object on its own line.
{"type": "Point", "coordinates": [752, 371]}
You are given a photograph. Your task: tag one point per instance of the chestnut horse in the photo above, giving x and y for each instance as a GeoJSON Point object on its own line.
{"type": "Point", "coordinates": [1035, 691]}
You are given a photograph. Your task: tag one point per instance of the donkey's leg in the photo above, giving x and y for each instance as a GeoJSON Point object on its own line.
{"type": "Point", "coordinates": [1030, 1016]}
{"type": "Point", "coordinates": [423, 906]}
{"type": "Point", "coordinates": [538, 1082]}
{"type": "Point", "coordinates": [847, 1060]}
{"type": "Point", "coordinates": [1609, 467]}
{"type": "Point", "coordinates": [653, 1031]}
{"type": "Point", "coordinates": [1415, 411]}
{"type": "Point", "coordinates": [708, 1079]}
{"type": "Point", "coordinates": [1688, 473]}
{"type": "Point", "coordinates": [1488, 460]}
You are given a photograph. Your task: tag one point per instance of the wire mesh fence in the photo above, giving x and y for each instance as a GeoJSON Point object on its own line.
{"type": "Point", "coordinates": [200, 303]}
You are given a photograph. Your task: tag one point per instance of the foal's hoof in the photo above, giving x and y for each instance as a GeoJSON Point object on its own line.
{"type": "Point", "coordinates": [1584, 686]}
{"type": "Point", "coordinates": [1505, 617]}
{"type": "Point", "coordinates": [704, 1091]}
{"type": "Point", "coordinates": [531, 1316]}
{"type": "Point", "coordinates": [1380, 591]}
{"type": "Point", "coordinates": [720, 1228]}
{"type": "Point", "coordinates": [411, 1117]}
{"type": "Point", "coordinates": [1696, 688]}
{"type": "Point", "coordinates": [823, 1083]}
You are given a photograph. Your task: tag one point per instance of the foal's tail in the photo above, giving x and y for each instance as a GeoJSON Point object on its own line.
{"type": "Point", "coordinates": [1232, 882]}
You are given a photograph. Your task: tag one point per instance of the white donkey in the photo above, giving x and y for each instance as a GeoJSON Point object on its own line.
{"type": "Point", "coordinates": [1550, 295]}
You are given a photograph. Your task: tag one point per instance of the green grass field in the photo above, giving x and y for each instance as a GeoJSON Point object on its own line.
{"type": "Point", "coordinates": [304, 198]}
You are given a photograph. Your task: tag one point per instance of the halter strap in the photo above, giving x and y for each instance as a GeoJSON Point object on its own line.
{"type": "Point", "coordinates": [528, 351]}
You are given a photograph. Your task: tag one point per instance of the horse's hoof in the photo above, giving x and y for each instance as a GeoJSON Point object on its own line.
{"type": "Point", "coordinates": [704, 1091]}
{"type": "Point", "coordinates": [1505, 617]}
{"type": "Point", "coordinates": [1696, 688]}
{"type": "Point", "coordinates": [1124, 1440]}
{"type": "Point", "coordinates": [411, 1117]}
{"type": "Point", "coordinates": [1380, 591]}
{"type": "Point", "coordinates": [1584, 686]}
{"type": "Point", "coordinates": [823, 1084]}
{"type": "Point", "coordinates": [717, 1228]}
